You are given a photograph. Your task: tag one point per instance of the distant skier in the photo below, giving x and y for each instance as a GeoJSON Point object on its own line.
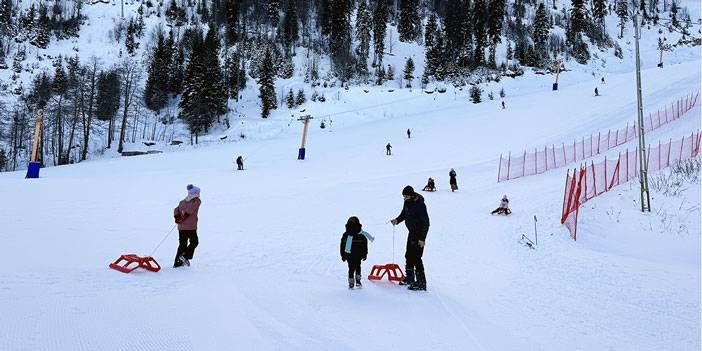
{"type": "Point", "coordinates": [503, 104]}
{"type": "Point", "coordinates": [452, 180]}
{"type": "Point", "coordinates": [504, 207]}
{"type": "Point", "coordinates": [186, 217]}
{"type": "Point", "coordinates": [388, 149]}
{"type": "Point", "coordinates": [602, 80]}
{"type": "Point", "coordinates": [414, 214]}
{"type": "Point", "coordinates": [240, 163]}
{"type": "Point", "coordinates": [354, 249]}
{"type": "Point", "coordinates": [431, 186]}
{"type": "Point", "coordinates": [597, 93]}
{"type": "Point", "coordinates": [409, 133]}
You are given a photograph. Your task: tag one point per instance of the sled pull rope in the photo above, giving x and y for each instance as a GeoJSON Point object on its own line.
{"type": "Point", "coordinates": [393, 244]}
{"type": "Point", "coordinates": [164, 239]}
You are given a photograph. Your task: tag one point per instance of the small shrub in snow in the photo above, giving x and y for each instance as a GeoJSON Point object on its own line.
{"type": "Point", "coordinates": [491, 96]}
{"type": "Point", "coordinates": [475, 93]}
{"type": "Point", "coordinates": [502, 92]}
{"type": "Point", "coordinates": [673, 182]}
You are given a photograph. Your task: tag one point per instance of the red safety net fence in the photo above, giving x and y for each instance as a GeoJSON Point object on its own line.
{"type": "Point", "coordinates": [595, 179]}
{"type": "Point", "coordinates": [550, 157]}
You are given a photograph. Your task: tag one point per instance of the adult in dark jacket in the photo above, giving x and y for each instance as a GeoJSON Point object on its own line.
{"type": "Point", "coordinates": [452, 180]}
{"type": "Point", "coordinates": [414, 214]}
{"type": "Point", "coordinates": [240, 163]}
{"type": "Point", "coordinates": [354, 248]}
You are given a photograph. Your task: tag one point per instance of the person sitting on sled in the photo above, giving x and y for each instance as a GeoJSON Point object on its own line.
{"type": "Point", "coordinates": [430, 185]}
{"type": "Point", "coordinates": [504, 207]}
{"type": "Point", "coordinates": [354, 248]}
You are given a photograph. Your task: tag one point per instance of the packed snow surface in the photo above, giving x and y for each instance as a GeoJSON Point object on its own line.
{"type": "Point", "coordinates": [267, 274]}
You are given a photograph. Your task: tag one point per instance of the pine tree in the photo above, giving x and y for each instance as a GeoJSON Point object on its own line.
{"type": "Point", "coordinates": [6, 21]}
{"type": "Point", "coordinates": [290, 99]}
{"type": "Point", "coordinates": [379, 75]}
{"type": "Point", "coordinates": [3, 160]}
{"type": "Point", "coordinates": [290, 27]}
{"type": "Point", "coordinates": [364, 23]}
{"type": "Point", "coordinates": [156, 88]}
{"type": "Point", "coordinates": [496, 15]}
{"type": "Point", "coordinates": [108, 93]}
{"type": "Point", "coordinates": [42, 35]}
{"type": "Point", "coordinates": [409, 18]}
{"type": "Point", "coordinates": [300, 100]}
{"type": "Point", "coordinates": [171, 12]}
{"type": "Point", "coordinates": [475, 93]}
{"type": "Point", "coordinates": [409, 72]}
{"type": "Point", "coordinates": [674, 15]}
{"type": "Point", "coordinates": [216, 91]}
{"type": "Point", "coordinates": [380, 19]}
{"type": "Point", "coordinates": [390, 73]}
{"type": "Point", "coordinates": [480, 31]}
{"type": "Point", "coordinates": [129, 42]}
{"type": "Point", "coordinates": [599, 13]}
{"type": "Point", "coordinates": [540, 31]}
{"type": "Point", "coordinates": [578, 17]}
{"type": "Point", "coordinates": [193, 105]}
{"type": "Point", "coordinates": [430, 33]}
{"type": "Point", "coordinates": [232, 25]}
{"type": "Point", "coordinates": [236, 78]}
{"type": "Point", "coordinates": [267, 85]}
{"type": "Point", "coordinates": [340, 38]}
{"type": "Point", "coordinates": [623, 14]}
{"type": "Point", "coordinates": [176, 71]}
{"type": "Point", "coordinates": [273, 8]}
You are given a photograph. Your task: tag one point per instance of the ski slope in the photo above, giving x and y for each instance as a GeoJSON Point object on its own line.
{"type": "Point", "coordinates": [267, 275]}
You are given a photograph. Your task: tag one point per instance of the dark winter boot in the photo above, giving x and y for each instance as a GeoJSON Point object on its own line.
{"type": "Point", "coordinates": [409, 276]}
{"type": "Point", "coordinates": [351, 283]}
{"type": "Point", "coordinates": [420, 284]}
{"type": "Point", "coordinates": [358, 281]}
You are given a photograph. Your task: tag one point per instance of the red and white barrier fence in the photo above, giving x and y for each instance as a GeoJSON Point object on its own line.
{"type": "Point", "coordinates": [595, 179]}
{"type": "Point", "coordinates": [540, 161]}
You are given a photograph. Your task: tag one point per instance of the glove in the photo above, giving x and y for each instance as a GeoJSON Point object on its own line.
{"type": "Point", "coordinates": [343, 259]}
{"type": "Point", "coordinates": [364, 258]}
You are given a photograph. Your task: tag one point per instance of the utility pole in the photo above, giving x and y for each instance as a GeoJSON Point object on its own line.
{"type": "Point", "coordinates": [643, 163]}
{"type": "Point", "coordinates": [306, 120]}
{"type": "Point", "coordinates": [122, 9]}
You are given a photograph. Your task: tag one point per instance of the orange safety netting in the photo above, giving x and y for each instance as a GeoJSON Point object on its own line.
{"type": "Point", "coordinates": [550, 157]}
{"type": "Point", "coordinates": [592, 180]}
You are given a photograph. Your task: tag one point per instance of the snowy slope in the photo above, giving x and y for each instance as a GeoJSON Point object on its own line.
{"type": "Point", "coordinates": [267, 275]}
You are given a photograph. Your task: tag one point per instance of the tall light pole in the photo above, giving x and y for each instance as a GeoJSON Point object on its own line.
{"type": "Point", "coordinates": [643, 163]}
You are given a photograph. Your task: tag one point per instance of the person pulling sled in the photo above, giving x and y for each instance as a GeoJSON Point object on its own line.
{"type": "Point", "coordinates": [414, 214]}
{"type": "Point", "coordinates": [430, 185]}
{"type": "Point", "coordinates": [504, 207]}
{"type": "Point", "coordinates": [354, 249]}
{"type": "Point", "coordinates": [186, 217]}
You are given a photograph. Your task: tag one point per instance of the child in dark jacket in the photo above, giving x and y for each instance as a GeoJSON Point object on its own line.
{"type": "Point", "coordinates": [354, 248]}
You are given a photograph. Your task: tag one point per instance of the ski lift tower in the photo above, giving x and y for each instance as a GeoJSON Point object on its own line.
{"type": "Point", "coordinates": [34, 165]}
{"type": "Point", "coordinates": [306, 120]}
{"type": "Point", "coordinates": [558, 72]}
{"type": "Point", "coordinates": [643, 163]}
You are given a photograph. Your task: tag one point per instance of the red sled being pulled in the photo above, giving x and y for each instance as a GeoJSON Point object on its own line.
{"type": "Point", "coordinates": [132, 262]}
{"type": "Point", "coordinates": [392, 270]}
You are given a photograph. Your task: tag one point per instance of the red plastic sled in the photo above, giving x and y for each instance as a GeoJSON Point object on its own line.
{"type": "Point", "coordinates": [392, 270]}
{"type": "Point", "coordinates": [132, 262]}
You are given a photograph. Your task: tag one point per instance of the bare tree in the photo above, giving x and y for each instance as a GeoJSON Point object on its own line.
{"type": "Point", "coordinates": [87, 101]}
{"type": "Point", "coordinates": [130, 73]}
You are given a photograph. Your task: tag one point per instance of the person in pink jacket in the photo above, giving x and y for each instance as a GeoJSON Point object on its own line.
{"type": "Point", "coordinates": [186, 217]}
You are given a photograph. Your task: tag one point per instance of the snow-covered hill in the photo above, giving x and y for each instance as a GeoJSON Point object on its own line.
{"type": "Point", "coordinates": [267, 275]}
